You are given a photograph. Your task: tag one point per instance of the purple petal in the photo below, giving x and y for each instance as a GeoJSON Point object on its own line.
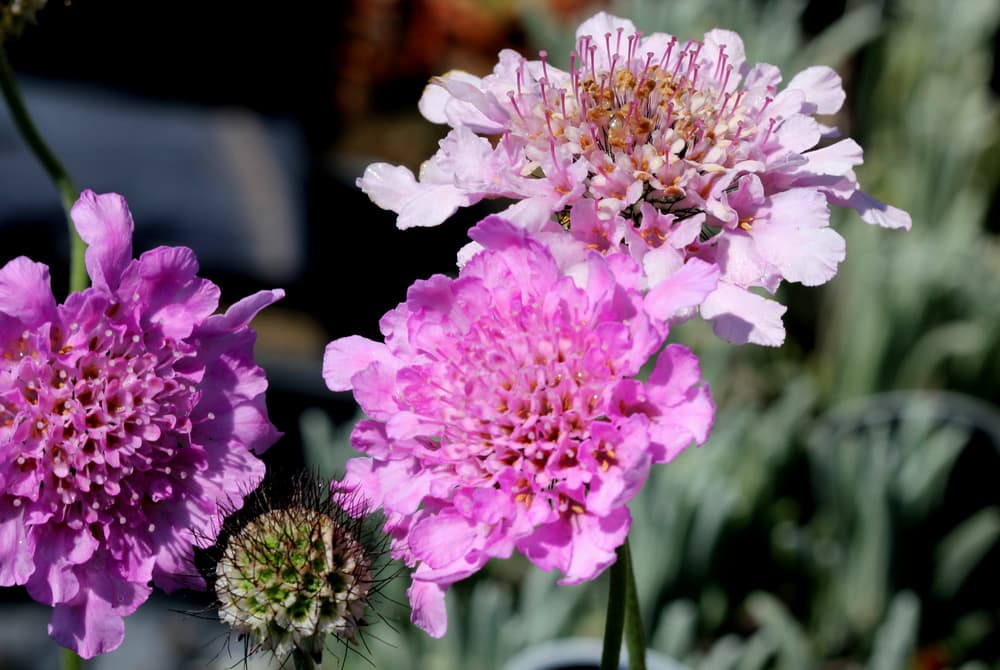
{"type": "Point", "coordinates": [389, 186]}
{"type": "Point", "coordinates": [799, 133]}
{"type": "Point", "coordinates": [90, 628]}
{"type": "Point", "coordinates": [740, 316]}
{"type": "Point", "coordinates": [431, 206]}
{"type": "Point", "coordinates": [16, 562]}
{"type": "Point", "coordinates": [837, 159]}
{"type": "Point", "coordinates": [347, 356]}
{"type": "Point", "coordinates": [428, 610]}
{"type": "Point", "coordinates": [796, 240]}
{"type": "Point", "coordinates": [105, 224]}
{"type": "Point", "coordinates": [26, 293]}
{"type": "Point", "coordinates": [476, 109]}
{"type": "Point", "coordinates": [595, 540]}
{"type": "Point", "coordinates": [878, 213]}
{"type": "Point", "coordinates": [597, 27]}
{"type": "Point", "coordinates": [735, 54]}
{"type": "Point", "coordinates": [686, 288]}
{"type": "Point", "coordinates": [441, 539]}
{"type": "Point", "coordinates": [241, 313]}
{"type": "Point", "coordinates": [823, 89]}
{"type": "Point", "coordinates": [166, 281]}
{"type": "Point", "coordinates": [438, 104]}
{"type": "Point", "coordinates": [93, 623]}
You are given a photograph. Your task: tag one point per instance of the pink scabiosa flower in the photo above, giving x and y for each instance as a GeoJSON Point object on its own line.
{"type": "Point", "coordinates": [505, 413]}
{"type": "Point", "coordinates": [128, 415]}
{"type": "Point", "coordinates": [667, 149]}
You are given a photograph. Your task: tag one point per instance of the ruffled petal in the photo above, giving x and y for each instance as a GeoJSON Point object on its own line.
{"type": "Point", "coordinates": [93, 624]}
{"type": "Point", "coordinates": [105, 224]}
{"type": "Point", "coordinates": [16, 561]}
{"type": "Point", "coordinates": [823, 88]}
{"type": "Point", "coordinates": [796, 239]}
{"type": "Point", "coordinates": [427, 607]}
{"type": "Point", "coordinates": [740, 316]}
{"type": "Point", "coordinates": [26, 293]}
{"type": "Point", "coordinates": [241, 313]}
{"type": "Point", "coordinates": [466, 104]}
{"type": "Point", "coordinates": [441, 539]}
{"type": "Point", "coordinates": [876, 212]}
{"type": "Point", "coordinates": [165, 282]}
{"type": "Point", "coordinates": [347, 356]}
{"type": "Point", "coordinates": [686, 288]}
{"type": "Point", "coordinates": [594, 543]}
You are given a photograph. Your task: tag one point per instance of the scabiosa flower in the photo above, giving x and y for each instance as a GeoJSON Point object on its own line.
{"type": "Point", "coordinates": [664, 149]}
{"type": "Point", "coordinates": [298, 567]}
{"type": "Point", "coordinates": [128, 414]}
{"type": "Point", "coordinates": [505, 413]}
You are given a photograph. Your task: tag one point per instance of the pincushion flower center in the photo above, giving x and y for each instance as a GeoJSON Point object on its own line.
{"type": "Point", "coordinates": [645, 117]}
{"type": "Point", "coordinates": [98, 402]}
{"type": "Point", "coordinates": [526, 398]}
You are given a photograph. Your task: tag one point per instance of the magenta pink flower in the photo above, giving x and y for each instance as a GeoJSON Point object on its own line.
{"type": "Point", "coordinates": [666, 149]}
{"type": "Point", "coordinates": [128, 415]}
{"type": "Point", "coordinates": [505, 413]}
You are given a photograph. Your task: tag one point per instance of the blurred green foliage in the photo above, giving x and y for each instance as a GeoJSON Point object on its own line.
{"type": "Point", "coordinates": [844, 513]}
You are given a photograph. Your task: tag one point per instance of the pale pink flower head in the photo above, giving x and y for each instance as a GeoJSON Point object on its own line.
{"type": "Point", "coordinates": [666, 148]}
{"type": "Point", "coordinates": [505, 413]}
{"type": "Point", "coordinates": [128, 415]}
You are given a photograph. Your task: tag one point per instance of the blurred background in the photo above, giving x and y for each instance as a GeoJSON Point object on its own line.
{"type": "Point", "coordinates": [845, 512]}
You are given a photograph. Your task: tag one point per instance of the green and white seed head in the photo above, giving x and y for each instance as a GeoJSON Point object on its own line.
{"type": "Point", "coordinates": [295, 570]}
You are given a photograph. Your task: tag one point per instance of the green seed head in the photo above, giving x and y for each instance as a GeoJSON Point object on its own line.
{"type": "Point", "coordinates": [290, 577]}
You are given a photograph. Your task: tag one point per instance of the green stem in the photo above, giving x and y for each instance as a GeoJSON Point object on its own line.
{"type": "Point", "coordinates": [68, 193]}
{"type": "Point", "coordinates": [71, 661]}
{"type": "Point", "coordinates": [302, 660]}
{"type": "Point", "coordinates": [614, 622]}
{"type": "Point", "coordinates": [635, 637]}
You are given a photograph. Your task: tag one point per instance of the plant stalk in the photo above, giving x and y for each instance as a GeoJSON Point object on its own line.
{"type": "Point", "coordinates": [302, 660]}
{"type": "Point", "coordinates": [68, 193]}
{"type": "Point", "coordinates": [635, 636]}
{"type": "Point", "coordinates": [623, 618]}
{"type": "Point", "coordinates": [70, 661]}
{"type": "Point", "coordinates": [614, 621]}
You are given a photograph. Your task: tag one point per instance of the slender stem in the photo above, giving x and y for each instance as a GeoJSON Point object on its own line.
{"type": "Point", "coordinates": [68, 193]}
{"type": "Point", "coordinates": [635, 636]}
{"type": "Point", "coordinates": [614, 622]}
{"type": "Point", "coordinates": [71, 661]}
{"type": "Point", "coordinates": [302, 660]}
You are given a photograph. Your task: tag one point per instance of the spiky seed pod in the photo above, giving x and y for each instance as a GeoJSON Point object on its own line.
{"type": "Point", "coordinates": [296, 567]}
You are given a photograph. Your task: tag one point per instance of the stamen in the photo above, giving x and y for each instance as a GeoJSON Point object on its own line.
{"type": "Point", "coordinates": [665, 61]}
{"type": "Point", "coordinates": [720, 62]}
{"type": "Point", "coordinates": [770, 127]}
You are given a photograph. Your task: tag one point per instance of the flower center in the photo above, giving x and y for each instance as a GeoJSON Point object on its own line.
{"type": "Point", "coordinates": [649, 117]}
{"type": "Point", "coordinates": [94, 419]}
{"type": "Point", "coordinates": [520, 396]}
